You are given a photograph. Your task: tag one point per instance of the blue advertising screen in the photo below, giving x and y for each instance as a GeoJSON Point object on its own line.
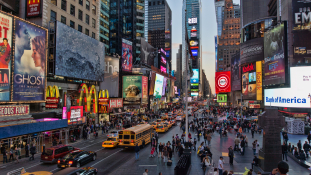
{"type": "Point", "coordinates": [194, 52]}
{"type": "Point", "coordinates": [195, 77]}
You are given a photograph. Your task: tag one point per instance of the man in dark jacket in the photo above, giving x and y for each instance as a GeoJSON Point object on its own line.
{"type": "Point", "coordinates": [137, 149]}
{"type": "Point", "coordinates": [306, 148]}
{"type": "Point", "coordinates": [299, 145]}
{"type": "Point", "coordinates": [32, 152]}
{"type": "Point", "coordinates": [27, 150]}
{"type": "Point", "coordinates": [284, 151]}
{"type": "Point", "coordinates": [255, 162]}
{"type": "Point", "coordinates": [243, 146]}
{"type": "Point", "coordinates": [231, 155]}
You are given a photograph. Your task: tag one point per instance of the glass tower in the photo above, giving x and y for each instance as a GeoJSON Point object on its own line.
{"type": "Point", "coordinates": [104, 23]}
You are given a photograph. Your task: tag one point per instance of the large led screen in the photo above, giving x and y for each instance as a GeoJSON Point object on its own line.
{"type": "Point", "coordinates": [133, 89]}
{"type": "Point", "coordinates": [275, 55]}
{"type": "Point", "coordinates": [236, 73]}
{"type": "Point", "coordinates": [195, 77]}
{"type": "Point", "coordinates": [252, 50]}
{"type": "Point", "coordinates": [78, 55]}
{"type": "Point", "coordinates": [158, 86]}
{"type": "Point", "coordinates": [164, 86]}
{"type": "Point", "coordinates": [111, 77]}
{"type": "Point", "coordinates": [249, 81]}
{"type": "Point", "coordinates": [30, 62]}
{"type": "Point", "coordinates": [152, 82]}
{"type": "Point", "coordinates": [299, 93]}
{"type": "Point", "coordinates": [221, 98]}
{"type": "Point", "coordinates": [127, 55]}
{"type": "Point", "coordinates": [223, 81]}
{"type": "Point", "coordinates": [5, 56]}
{"type": "Point", "coordinates": [146, 53]}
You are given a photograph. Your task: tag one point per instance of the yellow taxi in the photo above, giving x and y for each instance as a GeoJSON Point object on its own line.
{"type": "Point", "coordinates": [164, 117]}
{"type": "Point", "coordinates": [168, 124]}
{"type": "Point", "coordinates": [37, 173]}
{"type": "Point", "coordinates": [159, 121]}
{"type": "Point", "coordinates": [154, 125]}
{"type": "Point", "coordinates": [144, 117]}
{"type": "Point", "coordinates": [111, 142]}
{"type": "Point", "coordinates": [160, 128]}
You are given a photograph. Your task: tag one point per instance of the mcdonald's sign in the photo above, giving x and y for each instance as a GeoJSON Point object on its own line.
{"type": "Point", "coordinates": [103, 100]}
{"type": "Point", "coordinates": [33, 8]}
{"type": "Point", "coordinates": [89, 97]}
{"type": "Point", "coordinates": [52, 97]}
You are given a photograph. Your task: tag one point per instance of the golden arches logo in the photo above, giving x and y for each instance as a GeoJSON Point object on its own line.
{"type": "Point", "coordinates": [52, 91]}
{"type": "Point", "coordinates": [102, 94]}
{"type": "Point", "coordinates": [90, 97]}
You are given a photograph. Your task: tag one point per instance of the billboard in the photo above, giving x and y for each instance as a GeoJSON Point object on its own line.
{"type": "Point", "coordinates": [158, 86]}
{"type": "Point", "coordinates": [252, 50]}
{"type": "Point", "coordinates": [163, 69]}
{"type": "Point", "coordinates": [259, 80]}
{"type": "Point", "coordinates": [146, 52]}
{"type": "Point", "coordinates": [275, 55]}
{"type": "Point", "coordinates": [75, 114]}
{"type": "Point", "coordinates": [115, 102]}
{"type": "Point", "coordinates": [249, 81]}
{"type": "Point", "coordinates": [33, 8]}
{"type": "Point", "coordinates": [164, 86]}
{"type": "Point", "coordinates": [77, 55]}
{"type": "Point", "coordinates": [194, 52]}
{"type": "Point", "coordinates": [6, 26]}
{"type": "Point", "coordinates": [152, 82]}
{"type": "Point", "coordinates": [223, 81]}
{"type": "Point", "coordinates": [111, 76]}
{"type": "Point", "coordinates": [29, 62]}
{"type": "Point", "coordinates": [299, 93]}
{"type": "Point", "coordinates": [236, 72]}
{"type": "Point", "coordinates": [195, 78]}
{"type": "Point", "coordinates": [132, 89]}
{"type": "Point", "coordinates": [127, 55]}
{"type": "Point", "coordinates": [221, 98]}
{"type": "Point", "coordinates": [144, 88]}
{"type": "Point", "coordinates": [301, 15]}
{"type": "Point", "coordinates": [192, 21]}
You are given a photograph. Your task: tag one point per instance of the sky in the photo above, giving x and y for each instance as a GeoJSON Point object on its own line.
{"type": "Point", "coordinates": [209, 30]}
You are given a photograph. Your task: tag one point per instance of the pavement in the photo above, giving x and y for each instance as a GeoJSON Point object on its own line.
{"type": "Point", "coordinates": [293, 140]}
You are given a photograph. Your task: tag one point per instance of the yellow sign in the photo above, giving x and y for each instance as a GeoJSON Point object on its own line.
{"type": "Point", "coordinates": [90, 98]}
{"type": "Point", "coordinates": [259, 80]}
{"type": "Point", "coordinates": [52, 91]}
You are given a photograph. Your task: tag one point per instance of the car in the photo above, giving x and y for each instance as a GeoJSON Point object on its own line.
{"type": "Point", "coordinates": [168, 124]}
{"type": "Point", "coordinates": [111, 142]}
{"type": "Point", "coordinates": [160, 128]}
{"type": "Point", "coordinates": [146, 118]}
{"type": "Point", "coordinates": [52, 154]}
{"type": "Point", "coordinates": [77, 171]}
{"type": "Point", "coordinates": [154, 125]}
{"type": "Point", "coordinates": [113, 133]}
{"type": "Point", "coordinates": [173, 122]}
{"type": "Point", "coordinates": [159, 121]}
{"type": "Point", "coordinates": [76, 159]}
{"type": "Point", "coordinates": [178, 118]}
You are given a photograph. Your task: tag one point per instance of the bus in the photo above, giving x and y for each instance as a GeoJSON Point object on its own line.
{"type": "Point", "coordinates": [140, 134]}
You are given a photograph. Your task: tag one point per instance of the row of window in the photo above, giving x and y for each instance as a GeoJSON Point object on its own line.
{"type": "Point", "coordinates": [72, 7]}
{"type": "Point", "coordinates": [63, 20]}
{"type": "Point", "coordinates": [154, 3]}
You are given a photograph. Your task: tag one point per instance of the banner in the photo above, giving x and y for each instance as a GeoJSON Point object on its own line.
{"type": "Point", "coordinates": [152, 83]}
{"type": "Point", "coordinates": [29, 63]}
{"type": "Point", "coordinates": [147, 55]}
{"type": "Point", "coordinates": [144, 88]}
{"type": "Point", "coordinates": [249, 81]}
{"type": "Point", "coordinates": [132, 89]}
{"type": "Point", "coordinates": [75, 114]}
{"type": "Point", "coordinates": [259, 80]}
{"type": "Point", "coordinates": [13, 110]}
{"type": "Point", "coordinates": [221, 98]}
{"type": "Point", "coordinates": [5, 56]}
{"type": "Point", "coordinates": [236, 73]}
{"type": "Point", "coordinates": [33, 8]}
{"type": "Point", "coordinates": [115, 102]}
{"type": "Point", "coordinates": [127, 55]}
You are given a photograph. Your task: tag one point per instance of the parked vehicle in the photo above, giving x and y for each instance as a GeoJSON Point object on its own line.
{"type": "Point", "coordinates": [52, 154]}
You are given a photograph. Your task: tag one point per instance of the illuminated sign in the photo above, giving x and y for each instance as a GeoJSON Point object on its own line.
{"type": "Point", "coordinates": [221, 98]}
{"type": "Point", "coordinates": [163, 69]}
{"type": "Point", "coordinates": [163, 51]}
{"type": "Point", "coordinates": [75, 114]}
{"type": "Point", "coordinates": [12, 110]}
{"type": "Point", "coordinates": [193, 43]}
{"type": "Point", "coordinates": [33, 8]}
{"type": "Point", "coordinates": [194, 52]}
{"type": "Point", "coordinates": [167, 44]}
{"type": "Point", "coordinates": [89, 98]}
{"type": "Point", "coordinates": [254, 105]}
{"type": "Point", "coordinates": [192, 21]}
{"type": "Point", "coordinates": [223, 81]}
{"type": "Point", "coordinates": [248, 68]}
{"type": "Point", "coordinates": [52, 97]}
{"type": "Point", "coordinates": [259, 80]}
{"type": "Point", "coordinates": [116, 103]}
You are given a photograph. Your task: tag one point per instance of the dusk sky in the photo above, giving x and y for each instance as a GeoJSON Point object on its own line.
{"type": "Point", "coordinates": [208, 22]}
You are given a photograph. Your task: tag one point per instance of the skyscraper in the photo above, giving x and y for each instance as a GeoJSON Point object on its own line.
{"type": "Point", "coordinates": [104, 23]}
{"type": "Point", "coordinates": [159, 27]}
{"type": "Point", "coordinates": [126, 20]}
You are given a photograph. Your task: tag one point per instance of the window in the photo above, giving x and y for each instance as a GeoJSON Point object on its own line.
{"type": "Point", "coordinates": [63, 19]}
{"type": "Point", "coordinates": [87, 32]}
{"type": "Point", "coordinates": [93, 35]}
{"type": "Point", "coordinates": [81, 2]}
{"type": "Point", "coordinates": [94, 9]}
{"type": "Point", "coordinates": [72, 10]}
{"type": "Point", "coordinates": [54, 2]}
{"type": "Point", "coordinates": [132, 136]}
{"type": "Point", "coordinates": [53, 16]}
{"type": "Point", "coordinates": [64, 5]}
{"type": "Point", "coordinates": [80, 15]}
{"type": "Point", "coordinates": [72, 24]}
{"type": "Point", "coordinates": [153, 3]}
{"type": "Point", "coordinates": [126, 137]}
{"type": "Point", "coordinates": [149, 3]}
{"type": "Point", "coordinates": [79, 28]}
{"type": "Point", "coordinates": [87, 19]}
{"type": "Point", "coordinates": [87, 5]}
{"type": "Point", "coordinates": [93, 23]}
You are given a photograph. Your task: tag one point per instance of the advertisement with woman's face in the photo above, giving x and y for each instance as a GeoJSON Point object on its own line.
{"type": "Point", "coordinates": [29, 62]}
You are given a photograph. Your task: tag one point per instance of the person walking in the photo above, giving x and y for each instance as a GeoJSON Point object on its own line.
{"type": "Point", "coordinates": [285, 137]}
{"type": "Point", "coordinates": [32, 152]}
{"type": "Point", "coordinates": [137, 149]}
{"type": "Point", "coordinates": [231, 155]}
{"type": "Point", "coordinates": [254, 147]}
{"type": "Point", "coordinates": [306, 148]}
{"type": "Point", "coordinates": [11, 154]}
{"type": "Point", "coordinates": [242, 146]}
{"type": "Point", "coordinates": [27, 150]}
{"type": "Point", "coordinates": [255, 162]}
{"type": "Point", "coordinates": [284, 151]}
{"type": "Point", "coordinates": [257, 147]}
{"type": "Point", "coordinates": [252, 131]}
{"type": "Point", "coordinates": [160, 149]}
{"type": "Point", "coordinates": [236, 143]}
{"type": "Point", "coordinates": [5, 156]}
{"type": "Point", "coordinates": [17, 154]}
{"type": "Point", "coordinates": [220, 165]}
{"type": "Point", "coordinates": [209, 138]}
{"type": "Point", "coordinates": [299, 145]}
{"type": "Point", "coordinates": [165, 153]}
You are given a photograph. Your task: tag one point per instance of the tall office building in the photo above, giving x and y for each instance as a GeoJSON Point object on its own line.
{"type": "Point", "coordinates": [192, 27]}
{"type": "Point", "coordinates": [126, 21]}
{"type": "Point", "coordinates": [178, 73]}
{"type": "Point", "coordinates": [159, 27]}
{"type": "Point", "coordinates": [104, 23]}
{"type": "Point", "coordinates": [229, 39]}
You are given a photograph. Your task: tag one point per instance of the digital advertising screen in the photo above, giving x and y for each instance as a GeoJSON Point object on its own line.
{"type": "Point", "coordinates": [249, 81]}
{"type": "Point", "coordinates": [30, 62]}
{"type": "Point", "coordinates": [194, 52]}
{"type": "Point", "coordinates": [5, 56]}
{"type": "Point", "coordinates": [195, 78]}
{"type": "Point", "coordinates": [146, 52]}
{"type": "Point", "coordinates": [236, 73]}
{"type": "Point", "coordinates": [111, 76]}
{"type": "Point", "coordinates": [299, 93]}
{"type": "Point", "coordinates": [127, 55]}
{"type": "Point", "coordinates": [33, 8]}
{"type": "Point", "coordinates": [221, 98]}
{"type": "Point", "coordinates": [252, 77]}
{"type": "Point", "coordinates": [163, 69]}
{"type": "Point", "coordinates": [158, 86]}
{"type": "Point", "coordinates": [75, 114]}
{"type": "Point", "coordinates": [144, 88]}
{"type": "Point", "coordinates": [164, 86]}
{"type": "Point", "coordinates": [132, 89]}
{"type": "Point", "coordinates": [275, 55]}
{"type": "Point", "coordinates": [76, 59]}
{"type": "Point", "coordinates": [152, 83]}
{"type": "Point", "coordinates": [252, 50]}
{"type": "Point", "coordinates": [223, 81]}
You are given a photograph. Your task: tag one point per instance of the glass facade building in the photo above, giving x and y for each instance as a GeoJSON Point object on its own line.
{"type": "Point", "coordinates": [104, 23]}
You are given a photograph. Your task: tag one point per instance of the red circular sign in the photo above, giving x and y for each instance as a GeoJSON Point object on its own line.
{"type": "Point", "coordinates": [223, 82]}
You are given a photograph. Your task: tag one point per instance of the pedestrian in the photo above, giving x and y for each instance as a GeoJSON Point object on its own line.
{"type": "Point", "coordinates": [173, 145]}
{"type": "Point", "coordinates": [254, 147]}
{"type": "Point", "coordinates": [299, 145]}
{"type": "Point", "coordinates": [236, 143]}
{"type": "Point", "coordinates": [160, 149]}
{"type": "Point", "coordinates": [27, 150]}
{"type": "Point", "coordinates": [180, 150]}
{"type": "Point", "coordinates": [206, 163]}
{"type": "Point", "coordinates": [255, 162]}
{"type": "Point", "coordinates": [220, 165]}
{"type": "Point", "coordinates": [284, 150]}
{"type": "Point", "coordinates": [5, 156]}
{"type": "Point", "coordinates": [242, 146]}
{"type": "Point", "coordinates": [11, 154]}
{"type": "Point", "coordinates": [257, 147]}
{"type": "Point", "coordinates": [137, 149]}
{"type": "Point", "coordinates": [306, 148]}
{"type": "Point", "coordinates": [231, 155]}
{"type": "Point", "coordinates": [17, 154]}
{"type": "Point", "coordinates": [170, 153]}
{"type": "Point", "coordinates": [194, 144]}
{"type": "Point", "coordinates": [309, 137]}
{"type": "Point", "coordinates": [285, 137]}
{"type": "Point", "coordinates": [32, 152]}
{"type": "Point", "coordinates": [146, 172]}
{"type": "Point", "coordinates": [252, 131]}
{"type": "Point", "coordinates": [165, 154]}
{"type": "Point", "coordinates": [209, 138]}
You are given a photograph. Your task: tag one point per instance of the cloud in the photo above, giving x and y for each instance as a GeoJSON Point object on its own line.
{"type": "Point", "coordinates": [208, 53]}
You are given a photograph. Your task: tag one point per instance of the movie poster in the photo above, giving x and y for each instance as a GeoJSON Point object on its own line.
{"type": "Point", "coordinates": [127, 55]}
{"type": "Point", "coordinates": [132, 89]}
{"type": "Point", "coordinates": [5, 56]}
{"type": "Point", "coordinates": [29, 63]}
{"type": "Point", "coordinates": [144, 87]}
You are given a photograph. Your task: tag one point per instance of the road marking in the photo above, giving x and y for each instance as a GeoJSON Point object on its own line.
{"type": "Point", "coordinates": [106, 158]}
{"type": "Point", "coordinates": [54, 169]}
{"type": "Point", "coordinates": [147, 165]}
{"type": "Point", "coordinates": [91, 145]}
{"type": "Point", "coordinates": [99, 149]}
{"type": "Point", "coordinates": [33, 165]}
